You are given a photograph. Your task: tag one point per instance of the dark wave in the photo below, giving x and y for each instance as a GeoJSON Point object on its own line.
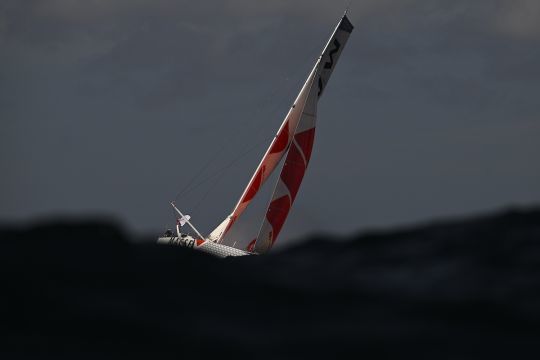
{"type": "Point", "coordinates": [455, 290]}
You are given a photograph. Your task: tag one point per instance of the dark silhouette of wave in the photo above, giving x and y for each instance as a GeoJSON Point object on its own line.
{"type": "Point", "coordinates": [459, 289]}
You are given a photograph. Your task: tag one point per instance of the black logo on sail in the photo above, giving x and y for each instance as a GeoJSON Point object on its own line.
{"type": "Point", "coordinates": [329, 64]}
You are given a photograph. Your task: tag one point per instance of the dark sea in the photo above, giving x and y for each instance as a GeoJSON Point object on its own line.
{"type": "Point", "coordinates": [457, 289]}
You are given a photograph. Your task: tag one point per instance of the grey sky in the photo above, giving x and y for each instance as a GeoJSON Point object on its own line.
{"type": "Point", "coordinates": [110, 107]}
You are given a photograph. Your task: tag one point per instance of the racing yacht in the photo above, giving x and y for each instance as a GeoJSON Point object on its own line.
{"type": "Point", "coordinates": [294, 141]}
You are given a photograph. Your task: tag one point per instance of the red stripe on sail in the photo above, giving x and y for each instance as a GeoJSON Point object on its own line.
{"type": "Point", "coordinates": [293, 171]}
{"type": "Point", "coordinates": [277, 213]}
{"type": "Point", "coordinates": [305, 141]}
{"type": "Point", "coordinates": [255, 185]}
{"type": "Point", "coordinates": [282, 140]}
{"type": "Point", "coordinates": [251, 245]}
{"type": "Point", "coordinates": [292, 174]}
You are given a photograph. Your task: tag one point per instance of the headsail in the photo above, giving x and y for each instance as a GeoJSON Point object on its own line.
{"type": "Point", "coordinates": [299, 152]}
{"type": "Point", "coordinates": [294, 136]}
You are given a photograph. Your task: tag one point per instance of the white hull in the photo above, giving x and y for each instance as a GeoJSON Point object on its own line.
{"type": "Point", "coordinates": [206, 246]}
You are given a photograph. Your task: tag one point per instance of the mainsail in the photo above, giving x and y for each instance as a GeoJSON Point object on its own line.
{"type": "Point", "coordinates": [270, 160]}
{"type": "Point", "coordinates": [295, 138]}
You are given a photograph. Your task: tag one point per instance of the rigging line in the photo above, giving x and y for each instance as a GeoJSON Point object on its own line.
{"type": "Point", "coordinates": [265, 102]}
{"type": "Point", "coordinates": [201, 170]}
{"type": "Point", "coordinates": [257, 111]}
{"type": "Point", "coordinates": [294, 85]}
{"type": "Point", "coordinates": [288, 89]}
{"type": "Point", "coordinates": [210, 188]}
{"type": "Point", "coordinates": [199, 173]}
{"type": "Point", "coordinates": [272, 179]}
{"type": "Point", "coordinates": [231, 163]}
{"type": "Point", "coordinates": [213, 158]}
{"type": "Point", "coordinates": [227, 140]}
{"type": "Point", "coordinates": [266, 139]}
{"type": "Point", "coordinates": [222, 144]}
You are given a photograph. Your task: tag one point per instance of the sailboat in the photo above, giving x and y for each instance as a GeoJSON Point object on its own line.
{"type": "Point", "coordinates": [294, 141]}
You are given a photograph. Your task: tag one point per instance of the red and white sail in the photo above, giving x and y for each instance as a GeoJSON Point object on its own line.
{"type": "Point", "coordinates": [294, 138]}
{"type": "Point", "coordinates": [270, 160]}
{"type": "Point", "coordinates": [299, 153]}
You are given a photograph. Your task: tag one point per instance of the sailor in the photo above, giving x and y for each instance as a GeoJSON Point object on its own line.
{"type": "Point", "coordinates": [168, 233]}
